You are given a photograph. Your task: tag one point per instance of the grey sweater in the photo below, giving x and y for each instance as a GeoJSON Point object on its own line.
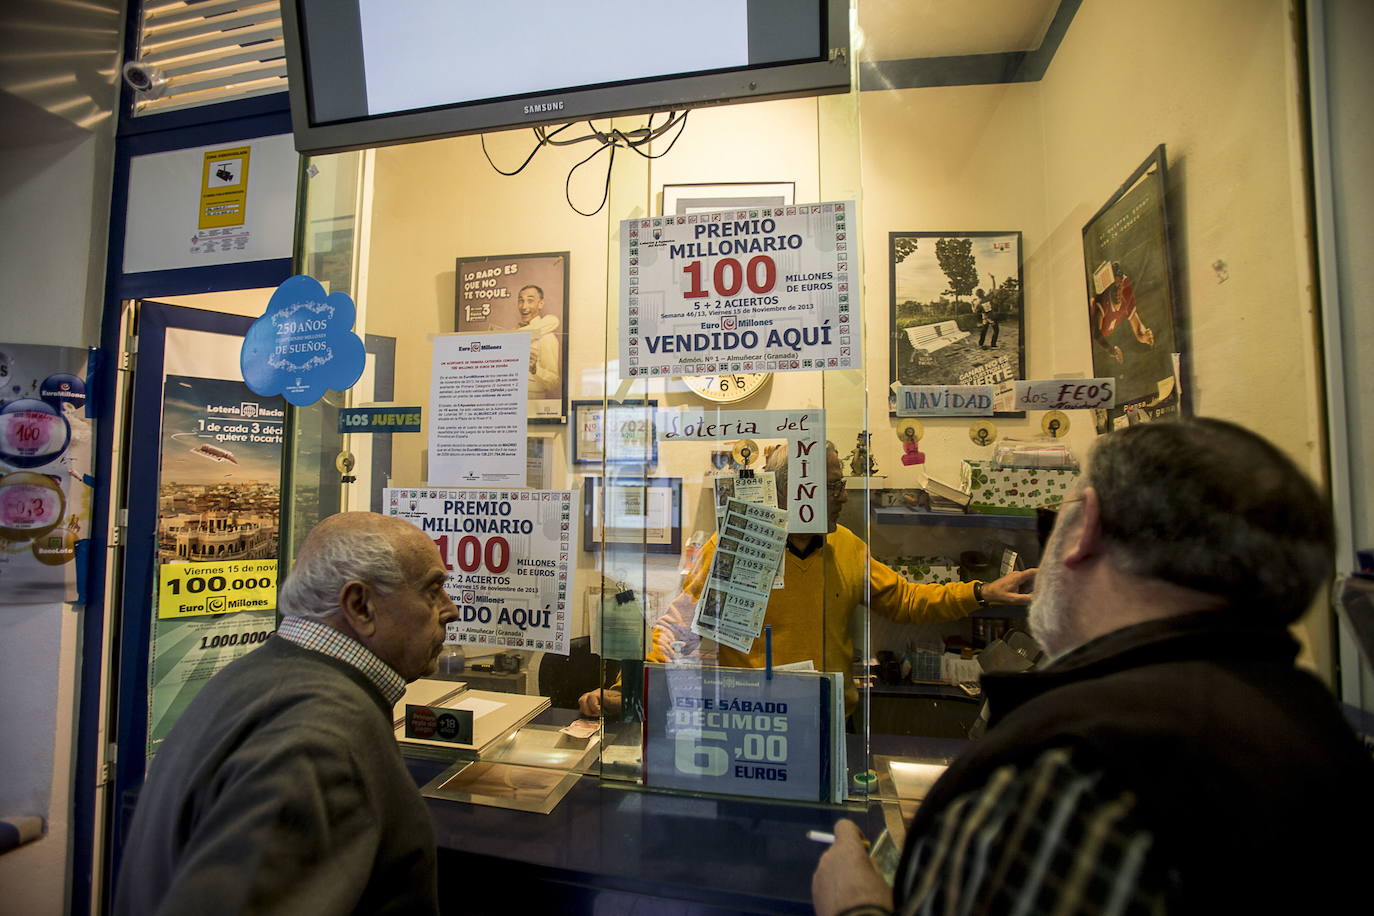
{"type": "Point", "coordinates": [280, 790]}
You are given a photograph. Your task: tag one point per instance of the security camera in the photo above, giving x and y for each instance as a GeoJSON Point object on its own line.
{"type": "Point", "coordinates": [145, 78]}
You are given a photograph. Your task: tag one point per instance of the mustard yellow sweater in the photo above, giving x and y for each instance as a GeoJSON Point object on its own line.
{"type": "Point", "coordinates": [810, 614]}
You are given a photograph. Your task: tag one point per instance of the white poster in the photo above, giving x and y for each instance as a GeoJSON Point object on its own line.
{"type": "Point", "coordinates": [509, 554]}
{"type": "Point", "coordinates": [227, 203]}
{"type": "Point", "coordinates": [478, 409]}
{"type": "Point", "coordinates": [762, 290]}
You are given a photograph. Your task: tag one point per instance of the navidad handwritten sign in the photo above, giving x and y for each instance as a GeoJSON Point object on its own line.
{"type": "Point", "coordinates": [943, 400]}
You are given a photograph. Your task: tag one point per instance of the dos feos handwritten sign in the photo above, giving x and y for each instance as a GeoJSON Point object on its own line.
{"type": "Point", "coordinates": [1065, 394]}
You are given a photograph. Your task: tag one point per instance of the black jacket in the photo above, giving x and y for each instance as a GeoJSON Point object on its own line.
{"type": "Point", "coordinates": [1258, 795]}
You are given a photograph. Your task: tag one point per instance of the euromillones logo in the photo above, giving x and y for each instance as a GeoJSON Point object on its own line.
{"type": "Point", "coordinates": [541, 107]}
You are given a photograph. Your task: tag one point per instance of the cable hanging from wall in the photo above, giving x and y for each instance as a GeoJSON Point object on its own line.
{"type": "Point", "coordinates": [607, 142]}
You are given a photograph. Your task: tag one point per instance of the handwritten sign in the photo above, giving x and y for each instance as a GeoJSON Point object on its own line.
{"type": "Point", "coordinates": [804, 431]}
{"type": "Point", "coordinates": [944, 400]}
{"type": "Point", "coordinates": [1065, 394]}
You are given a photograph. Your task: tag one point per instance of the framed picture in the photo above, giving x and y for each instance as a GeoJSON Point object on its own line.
{"type": "Point", "coordinates": [618, 432]}
{"type": "Point", "coordinates": [631, 513]}
{"type": "Point", "coordinates": [1131, 298]}
{"type": "Point", "coordinates": [686, 199]}
{"type": "Point", "coordinates": [957, 310]}
{"type": "Point", "coordinates": [538, 468]}
{"type": "Point", "coordinates": [523, 292]}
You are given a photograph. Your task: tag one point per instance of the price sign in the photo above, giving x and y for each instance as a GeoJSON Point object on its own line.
{"type": "Point", "coordinates": [30, 504]}
{"type": "Point", "coordinates": [734, 731]}
{"type": "Point", "coordinates": [754, 290]}
{"type": "Point", "coordinates": [32, 433]}
{"type": "Point", "coordinates": [198, 589]}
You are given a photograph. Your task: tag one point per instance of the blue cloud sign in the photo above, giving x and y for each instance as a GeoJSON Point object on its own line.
{"type": "Point", "coordinates": [303, 345]}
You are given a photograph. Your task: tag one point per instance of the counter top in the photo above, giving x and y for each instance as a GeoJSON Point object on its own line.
{"type": "Point", "coordinates": [719, 853]}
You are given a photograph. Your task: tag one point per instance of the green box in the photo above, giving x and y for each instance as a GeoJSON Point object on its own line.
{"type": "Point", "coordinates": [927, 570]}
{"type": "Point", "coordinates": [1012, 491]}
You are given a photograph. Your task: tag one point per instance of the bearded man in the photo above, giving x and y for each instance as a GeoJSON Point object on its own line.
{"type": "Point", "coordinates": [1170, 757]}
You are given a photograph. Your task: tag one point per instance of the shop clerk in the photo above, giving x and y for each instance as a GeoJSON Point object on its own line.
{"type": "Point", "coordinates": [824, 579]}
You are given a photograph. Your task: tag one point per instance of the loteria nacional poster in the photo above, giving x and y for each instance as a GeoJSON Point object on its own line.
{"type": "Point", "coordinates": [218, 515]}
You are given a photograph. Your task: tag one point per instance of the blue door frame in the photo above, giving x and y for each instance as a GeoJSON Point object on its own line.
{"type": "Point", "coordinates": [141, 547]}
{"type": "Point", "coordinates": [228, 122]}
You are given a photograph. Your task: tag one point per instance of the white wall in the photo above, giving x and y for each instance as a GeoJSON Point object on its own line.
{"type": "Point", "coordinates": [57, 70]}
{"type": "Point", "coordinates": [1215, 82]}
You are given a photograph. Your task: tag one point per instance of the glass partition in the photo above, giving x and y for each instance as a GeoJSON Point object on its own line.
{"type": "Point", "coordinates": [1044, 198]}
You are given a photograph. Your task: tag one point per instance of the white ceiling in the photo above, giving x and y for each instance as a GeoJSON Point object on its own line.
{"type": "Point", "coordinates": [902, 29]}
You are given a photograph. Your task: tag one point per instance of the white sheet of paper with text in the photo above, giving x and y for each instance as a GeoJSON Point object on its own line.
{"type": "Point", "coordinates": [478, 410]}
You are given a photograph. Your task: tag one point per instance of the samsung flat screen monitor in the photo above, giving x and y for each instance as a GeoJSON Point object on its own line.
{"type": "Point", "coordinates": [367, 73]}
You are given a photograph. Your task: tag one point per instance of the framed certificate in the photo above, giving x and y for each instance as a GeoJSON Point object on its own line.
{"type": "Point", "coordinates": [633, 513]}
{"type": "Point", "coordinates": [618, 432]}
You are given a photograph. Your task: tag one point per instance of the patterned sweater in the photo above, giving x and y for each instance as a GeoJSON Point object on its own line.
{"type": "Point", "coordinates": [280, 790]}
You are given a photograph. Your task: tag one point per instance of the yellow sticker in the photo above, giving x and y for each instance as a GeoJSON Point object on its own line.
{"type": "Point", "coordinates": [199, 589]}
{"type": "Point", "coordinates": [984, 432]}
{"type": "Point", "coordinates": [1055, 423]}
{"type": "Point", "coordinates": [746, 451]}
{"type": "Point", "coordinates": [224, 188]}
{"type": "Point", "coordinates": [910, 430]}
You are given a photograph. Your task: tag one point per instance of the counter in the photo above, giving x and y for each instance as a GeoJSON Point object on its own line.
{"type": "Point", "coordinates": [606, 848]}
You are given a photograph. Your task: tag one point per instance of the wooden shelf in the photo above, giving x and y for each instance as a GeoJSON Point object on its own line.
{"type": "Point", "coordinates": [900, 515]}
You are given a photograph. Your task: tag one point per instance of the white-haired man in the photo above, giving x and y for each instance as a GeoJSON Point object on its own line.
{"type": "Point", "coordinates": [281, 789]}
{"type": "Point", "coordinates": [1170, 757]}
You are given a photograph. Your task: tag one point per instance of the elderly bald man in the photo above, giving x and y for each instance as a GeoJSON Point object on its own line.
{"type": "Point", "coordinates": [281, 789]}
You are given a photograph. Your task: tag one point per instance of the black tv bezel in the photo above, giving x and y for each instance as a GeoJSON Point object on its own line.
{"type": "Point", "coordinates": [672, 93]}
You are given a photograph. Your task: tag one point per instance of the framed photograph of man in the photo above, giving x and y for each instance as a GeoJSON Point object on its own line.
{"type": "Point", "coordinates": [1131, 298]}
{"type": "Point", "coordinates": [523, 292]}
{"type": "Point", "coordinates": [957, 309]}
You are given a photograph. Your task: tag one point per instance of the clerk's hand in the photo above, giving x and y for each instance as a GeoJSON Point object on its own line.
{"type": "Point", "coordinates": [1013, 588]}
{"type": "Point", "coordinates": [846, 877]}
{"type": "Point", "coordinates": [599, 702]}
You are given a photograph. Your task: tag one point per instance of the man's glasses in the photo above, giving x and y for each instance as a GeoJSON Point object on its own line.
{"type": "Point", "coordinates": [1046, 516]}
{"type": "Point", "coordinates": [835, 487]}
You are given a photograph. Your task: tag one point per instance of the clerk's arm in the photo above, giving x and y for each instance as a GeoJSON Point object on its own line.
{"type": "Point", "coordinates": [910, 602]}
